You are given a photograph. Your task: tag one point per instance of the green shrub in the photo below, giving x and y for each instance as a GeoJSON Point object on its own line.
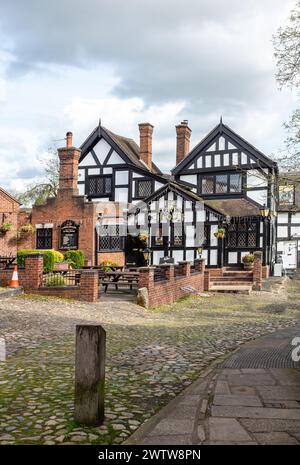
{"type": "Point", "coordinates": [55, 280]}
{"type": "Point", "coordinates": [107, 265]}
{"type": "Point", "coordinates": [75, 258]}
{"type": "Point", "coordinates": [50, 257]}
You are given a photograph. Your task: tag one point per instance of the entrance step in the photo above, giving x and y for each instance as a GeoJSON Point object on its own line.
{"type": "Point", "coordinates": [232, 287]}
{"type": "Point", "coordinates": [231, 278]}
{"type": "Point", "coordinates": [231, 282]}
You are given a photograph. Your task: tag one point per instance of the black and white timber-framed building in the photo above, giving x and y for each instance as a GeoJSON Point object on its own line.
{"type": "Point", "coordinates": [229, 177]}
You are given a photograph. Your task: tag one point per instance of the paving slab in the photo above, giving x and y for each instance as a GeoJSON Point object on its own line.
{"type": "Point", "coordinates": [270, 425]}
{"type": "Point", "coordinates": [222, 387]}
{"type": "Point", "coordinates": [246, 401]}
{"type": "Point", "coordinates": [259, 379]}
{"type": "Point", "coordinates": [226, 429]}
{"type": "Point", "coordinates": [176, 439]}
{"type": "Point", "coordinates": [255, 412]}
{"type": "Point", "coordinates": [169, 426]}
{"type": "Point", "coordinates": [279, 392]}
{"type": "Point", "coordinates": [275, 438]}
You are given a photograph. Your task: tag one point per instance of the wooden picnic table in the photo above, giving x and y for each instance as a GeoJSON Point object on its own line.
{"type": "Point", "coordinates": [114, 278]}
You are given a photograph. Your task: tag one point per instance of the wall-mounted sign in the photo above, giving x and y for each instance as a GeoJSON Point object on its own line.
{"type": "Point", "coordinates": [69, 235]}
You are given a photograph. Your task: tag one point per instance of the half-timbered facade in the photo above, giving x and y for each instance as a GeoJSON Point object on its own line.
{"type": "Point", "coordinates": [175, 220]}
{"type": "Point", "coordinates": [112, 168]}
{"type": "Point", "coordinates": [288, 220]}
{"type": "Point", "coordinates": [233, 176]}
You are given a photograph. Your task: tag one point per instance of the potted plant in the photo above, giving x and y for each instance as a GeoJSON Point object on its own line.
{"type": "Point", "coordinates": [5, 227]}
{"type": "Point", "coordinates": [248, 261]}
{"type": "Point", "coordinates": [220, 233]}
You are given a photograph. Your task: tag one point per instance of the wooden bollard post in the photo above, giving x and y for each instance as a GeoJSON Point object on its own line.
{"type": "Point", "coordinates": [89, 374]}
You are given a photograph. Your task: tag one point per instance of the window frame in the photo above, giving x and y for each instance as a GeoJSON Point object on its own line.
{"type": "Point", "coordinates": [110, 238]}
{"type": "Point", "coordinates": [137, 183]}
{"type": "Point", "coordinates": [214, 178]}
{"type": "Point", "coordinates": [98, 194]}
{"type": "Point", "coordinates": [50, 238]}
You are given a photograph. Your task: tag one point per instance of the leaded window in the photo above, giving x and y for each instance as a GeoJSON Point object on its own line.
{"type": "Point", "coordinates": [143, 188]}
{"type": "Point", "coordinates": [44, 238]}
{"type": "Point", "coordinates": [221, 184]}
{"type": "Point", "coordinates": [110, 237]}
{"type": "Point", "coordinates": [177, 236]}
{"type": "Point", "coordinates": [242, 235]}
{"type": "Point", "coordinates": [208, 185]}
{"type": "Point", "coordinates": [235, 183]}
{"type": "Point", "coordinates": [99, 185]}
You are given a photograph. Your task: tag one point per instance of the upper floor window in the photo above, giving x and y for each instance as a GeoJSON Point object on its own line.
{"type": "Point", "coordinates": [143, 188]}
{"type": "Point", "coordinates": [99, 185]}
{"type": "Point", "coordinates": [44, 238]}
{"type": "Point", "coordinates": [221, 184]}
{"type": "Point", "coordinates": [286, 195]}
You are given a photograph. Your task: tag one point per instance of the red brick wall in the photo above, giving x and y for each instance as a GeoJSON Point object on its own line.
{"type": "Point", "coordinates": [68, 207]}
{"type": "Point", "coordinates": [116, 257]}
{"type": "Point", "coordinates": [169, 290]}
{"type": "Point", "coordinates": [8, 214]}
{"type": "Point", "coordinates": [31, 279]}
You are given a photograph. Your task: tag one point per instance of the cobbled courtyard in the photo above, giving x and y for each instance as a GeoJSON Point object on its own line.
{"type": "Point", "coordinates": [152, 355]}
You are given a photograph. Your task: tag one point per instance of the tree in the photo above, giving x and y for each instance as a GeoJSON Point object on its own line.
{"type": "Point", "coordinates": [287, 53]}
{"type": "Point", "coordinates": [37, 193]}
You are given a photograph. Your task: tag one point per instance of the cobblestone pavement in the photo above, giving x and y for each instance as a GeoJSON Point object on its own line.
{"type": "Point", "coordinates": [236, 405]}
{"type": "Point", "coordinates": [152, 356]}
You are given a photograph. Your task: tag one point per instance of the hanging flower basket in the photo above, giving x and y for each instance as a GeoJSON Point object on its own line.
{"type": "Point", "coordinates": [4, 228]}
{"type": "Point", "coordinates": [143, 237]}
{"type": "Point", "coordinates": [220, 233]}
{"type": "Point", "coordinates": [25, 230]}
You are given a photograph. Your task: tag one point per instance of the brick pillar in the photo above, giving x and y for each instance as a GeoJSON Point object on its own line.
{"type": "Point", "coordinates": [257, 271]}
{"type": "Point", "coordinates": [168, 269]}
{"type": "Point", "coordinates": [200, 265]}
{"type": "Point", "coordinates": [206, 280]}
{"type": "Point", "coordinates": [33, 276]}
{"type": "Point", "coordinates": [146, 278]}
{"type": "Point", "coordinates": [183, 141]}
{"type": "Point", "coordinates": [89, 285]}
{"type": "Point", "coordinates": [185, 268]}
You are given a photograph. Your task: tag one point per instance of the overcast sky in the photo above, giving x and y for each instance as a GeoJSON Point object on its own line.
{"type": "Point", "coordinates": [65, 63]}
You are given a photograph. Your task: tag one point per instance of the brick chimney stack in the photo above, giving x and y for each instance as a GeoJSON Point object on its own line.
{"type": "Point", "coordinates": [68, 167]}
{"type": "Point", "coordinates": [183, 140]}
{"type": "Point", "coordinates": [146, 131]}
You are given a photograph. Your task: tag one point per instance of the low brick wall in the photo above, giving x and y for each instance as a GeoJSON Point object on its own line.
{"type": "Point", "coordinates": [170, 289]}
{"type": "Point", "coordinates": [31, 279]}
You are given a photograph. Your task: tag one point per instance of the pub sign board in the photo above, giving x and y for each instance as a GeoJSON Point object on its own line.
{"type": "Point", "coordinates": [69, 235]}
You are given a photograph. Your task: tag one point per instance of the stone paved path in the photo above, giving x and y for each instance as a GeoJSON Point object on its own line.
{"type": "Point", "coordinates": [242, 405]}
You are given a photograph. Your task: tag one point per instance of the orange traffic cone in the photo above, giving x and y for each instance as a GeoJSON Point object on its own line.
{"type": "Point", "coordinates": [14, 282]}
